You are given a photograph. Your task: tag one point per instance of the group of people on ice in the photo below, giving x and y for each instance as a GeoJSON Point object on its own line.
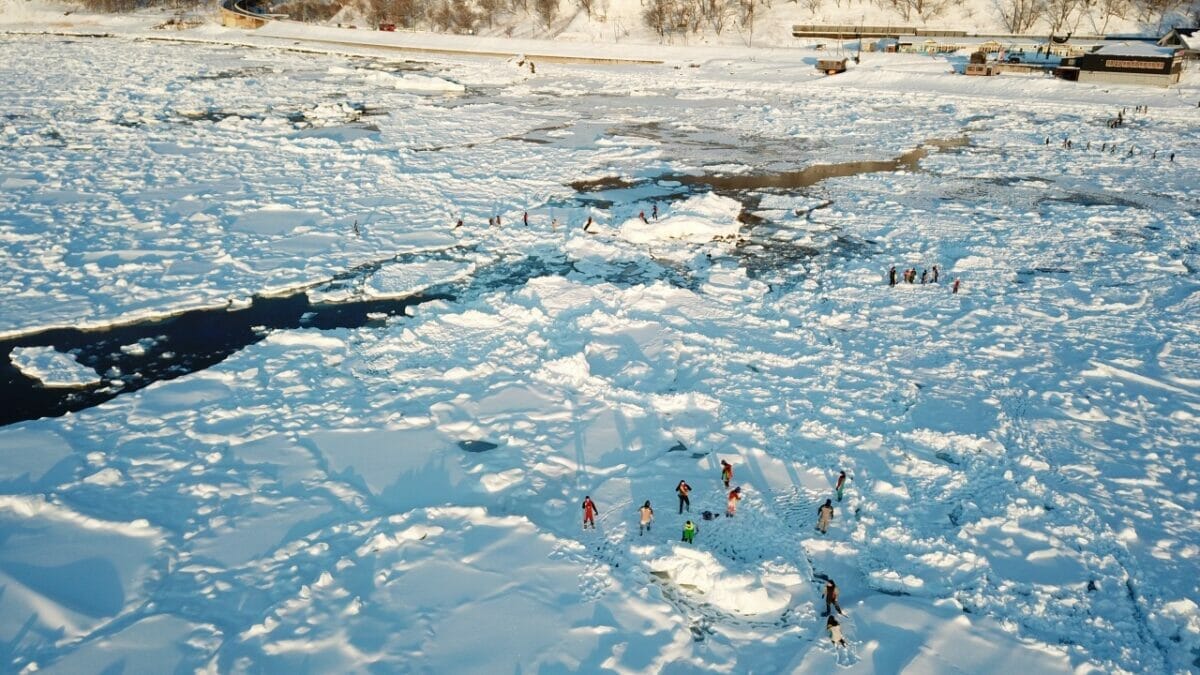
{"type": "Point", "coordinates": [824, 516]}
{"type": "Point", "coordinates": [1114, 123]}
{"type": "Point", "coordinates": [495, 221]}
{"type": "Point", "coordinates": [683, 492]}
{"type": "Point", "coordinates": [909, 276]}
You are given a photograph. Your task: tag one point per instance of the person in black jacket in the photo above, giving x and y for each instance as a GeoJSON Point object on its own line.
{"type": "Point", "coordinates": [682, 490]}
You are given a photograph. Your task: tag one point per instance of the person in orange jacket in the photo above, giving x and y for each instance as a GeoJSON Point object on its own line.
{"type": "Point", "coordinates": [589, 512]}
{"type": "Point", "coordinates": [731, 505]}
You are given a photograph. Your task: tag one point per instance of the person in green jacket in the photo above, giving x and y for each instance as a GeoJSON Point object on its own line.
{"type": "Point", "coordinates": [689, 532]}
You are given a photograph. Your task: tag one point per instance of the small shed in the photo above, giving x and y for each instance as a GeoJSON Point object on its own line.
{"type": "Point", "coordinates": [831, 66]}
{"type": "Point", "coordinates": [981, 69]}
{"type": "Point", "coordinates": [887, 44]}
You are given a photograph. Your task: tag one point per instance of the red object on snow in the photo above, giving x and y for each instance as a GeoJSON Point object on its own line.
{"type": "Point", "coordinates": [389, 27]}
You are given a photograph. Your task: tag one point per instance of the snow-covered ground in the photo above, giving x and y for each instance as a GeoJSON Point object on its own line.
{"type": "Point", "coordinates": [406, 497]}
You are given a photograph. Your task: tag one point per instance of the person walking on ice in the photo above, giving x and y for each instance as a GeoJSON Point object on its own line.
{"type": "Point", "coordinates": [731, 506]}
{"type": "Point", "coordinates": [726, 472]}
{"type": "Point", "coordinates": [647, 518]}
{"type": "Point", "coordinates": [589, 512]}
{"type": "Point", "coordinates": [824, 515]}
{"type": "Point", "coordinates": [831, 598]}
{"type": "Point", "coordinates": [841, 485]}
{"type": "Point", "coordinates": [682, 490]}
{"type": "Point", "coordinates": [689, 532]}
{"type": "Point", "coordinates": [835, 632]}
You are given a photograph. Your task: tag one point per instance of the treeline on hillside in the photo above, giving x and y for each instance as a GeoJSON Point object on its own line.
{"type": "Point", "coordinates": [697, 16]}
{"type": "Point", "coordinates": [1092, 16]}
{"type": "Point", "coordinates": [131, 5]}
{"type": "Point", "coordinates": [453, 16]}
{"type": "Point", "coordinates": [683, 16]}
{"type": "Point", "coordinates": [1017, 16]}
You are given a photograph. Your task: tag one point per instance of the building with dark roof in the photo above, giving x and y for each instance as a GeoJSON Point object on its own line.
{"type": "Point", "coordinates": [1136, 63]}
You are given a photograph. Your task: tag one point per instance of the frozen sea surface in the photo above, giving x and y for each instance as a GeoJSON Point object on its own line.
{"type": "Point", "coordinates": [401, 492]}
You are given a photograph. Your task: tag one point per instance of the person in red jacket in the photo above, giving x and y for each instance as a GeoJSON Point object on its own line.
{"type": "Point", "coordinates": [841, 485]}
{"type": "Point", "coordinates": [831, 597]}
{"type": "Point", "coordinates": [726, 472]}
{"type": "Point", "coordinates": [731, 505]}
{"type": "Point", "coordinates": [589, 512]}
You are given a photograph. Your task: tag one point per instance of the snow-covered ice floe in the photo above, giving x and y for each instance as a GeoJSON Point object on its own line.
{"type": "Point", "coordinates": [52, 368]}
{"type": "Point", "coordinates": [697, 219]}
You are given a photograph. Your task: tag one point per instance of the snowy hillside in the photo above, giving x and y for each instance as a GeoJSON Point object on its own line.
{"type": "Point", "coordinates": [334, 432]}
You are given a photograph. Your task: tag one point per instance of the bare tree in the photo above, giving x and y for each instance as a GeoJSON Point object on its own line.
{"type": "Point", "coordinates": [547, 10]}
{"type": "Point", "coordinates": [1062, 14]}
{"type": "Point", "coordinates": [1154, 12]}
{"type": "Point", "coordinates": [110, 5]}
{"type": "Point", "coordinates": [1100, 12]}
{"type": "Point", "coordinates": [1019, 15]}
{"type": "Point", "coordinates": [920, 9]}
{"type": "Point", "coordinates": [406, 12]}
{"type": "Point", "coordinates": [378, 11]}
{"type": "Point", "coordinates": [587, 6]}
{"type": "Point", "coordinates": [489, 9]}
{"type": "Point", "coordinates": [657, 15]}
{"type": "Point", "coordinates": [716, 13]}
{"type": "Point", "coordinates": [747, 9]}
{"type": "Point", "coordinates": [690, 15]}
{"type": "Point", "coordinates": [458, 17]}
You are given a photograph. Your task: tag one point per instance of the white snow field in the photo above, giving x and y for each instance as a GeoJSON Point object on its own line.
{"type": "Point", "coordinates": [405, 496]}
